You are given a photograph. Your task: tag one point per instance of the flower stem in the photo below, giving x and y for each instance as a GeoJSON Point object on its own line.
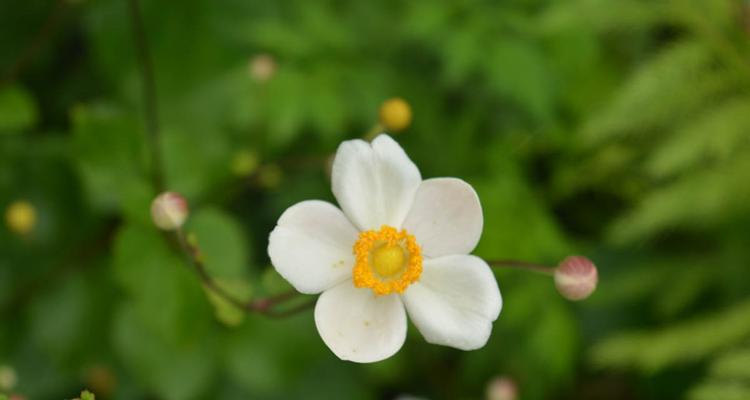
{"type": "Point", "coordinates": [373, 132]}
{"type": "Point", "coordinates": [264, 305]}
{"type": "Point", "coordinates": [525, 265]}
{"type": "Point", "coordinates": [149, 94]}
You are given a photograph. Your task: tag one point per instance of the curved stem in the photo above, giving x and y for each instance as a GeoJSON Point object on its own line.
{"type": "Point", "coordinates": [265, 305]}
{"type": "Point", "coordinates": [517, 264]}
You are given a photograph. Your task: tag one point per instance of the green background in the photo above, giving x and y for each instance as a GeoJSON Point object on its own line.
{"type": "Point", "coordinates": [618, 129]}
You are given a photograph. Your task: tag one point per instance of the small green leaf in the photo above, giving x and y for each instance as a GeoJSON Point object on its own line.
{"type": "Point", "coordinates": [17, 110]}
{"type": "Point", "coordinates": [221, 242]}
{"type": "Point", "coordinates": [109, 150]}
{"type": "Point", "coordinates": [165, 293]}
{"type": "Point", "coordinates": [86, 395]}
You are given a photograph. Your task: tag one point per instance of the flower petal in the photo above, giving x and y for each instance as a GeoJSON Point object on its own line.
{"type": "Point", "coordinates": [455, 301]}
{"type": "Point", "coordinates": [311, 246]}
{"type": "Point", "coordinates": [359, 326]}
{"type": "Point", "coordinates": [374, 184]}
{"type": "Point", "coordinates": [446, 217]}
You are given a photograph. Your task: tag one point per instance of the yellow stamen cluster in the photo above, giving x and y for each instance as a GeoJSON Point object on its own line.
{"type": "Point", "coordinates": [387, 260]}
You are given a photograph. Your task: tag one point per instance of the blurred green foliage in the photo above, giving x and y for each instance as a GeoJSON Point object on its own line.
{"type": "Point", "coordinates": [619, 129]}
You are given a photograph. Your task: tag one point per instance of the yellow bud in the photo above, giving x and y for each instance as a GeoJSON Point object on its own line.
{"type": "Point", "coordinates": [395, 114]}
{"type": "Point", "coordinates": [20, 217]}
{"type": "Point", "coordinates": [245, 162]}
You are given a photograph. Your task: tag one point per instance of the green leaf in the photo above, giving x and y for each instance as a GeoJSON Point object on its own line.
{"type": "Point", "coordinates": [222, 243]}
{"type": "Point", "coordinates": [165, 292]}
{"type": "Point", "coordinates": [175, 371]}
{"type": "Point", "coordinates": [657, 93]}
{"type": "Point", "coordinates": [728, 377]}
{"type": "Point", "coordinates": [521, 225]}
{"type": "Point", "coordinates": [195, 160]}
{"type": "Point", "coordinates": [685, 342]}
{"type": "Point", "coordinates": [59, 319]}
{"type": "Point", "coordinates": [518, 72]}
{"type": "Point", "coordinates": [285, 107]}
{"type": "Point", "coordinates": [734, 364]}
{"type": "Point", "coordinates": [713, 135]}
{"type": "Point", "coordinates": [17, 110]}
{"type": "Point", "coordinates": [698, 200]}
{"type": "Point", "coordinates": [720, 391]}
{"type": "Point", "coordinates": [628, 16]}
{"type": "Point", "coordinates": [110, 153]}
{"type": "Point", "coordinates": [259, 357]}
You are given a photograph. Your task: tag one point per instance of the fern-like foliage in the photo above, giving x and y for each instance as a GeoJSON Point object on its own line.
{"type": "Point", "coordinates": [728, 377]}
{"type": "Point", "coordinates": [694, 340]}
{"type": "Point", "coordinates": [672, 143]}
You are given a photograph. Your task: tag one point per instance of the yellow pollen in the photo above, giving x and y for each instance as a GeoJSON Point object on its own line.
{"type": "Point", "coordinates": [387, 260]}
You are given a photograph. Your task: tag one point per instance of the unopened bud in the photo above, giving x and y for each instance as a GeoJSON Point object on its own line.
{"type": "Point", "coordinates": [262, 67]}
{"type": "Point", "coordinates": [502, 388]}
{"type": "Point", "coordinates": [576, 278]}
{"type": "Point", "coordinates": [20, 216]}
{"type": "Point", "coordinates": [395, 114]}
{"type": "Point", "coordinates": [169, 211]}
{"type": "Point", "coordinates": [245, 162]}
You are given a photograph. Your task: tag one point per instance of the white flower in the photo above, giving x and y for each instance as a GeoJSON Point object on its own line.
{"type": "Point", "coordinates": [400, 245]}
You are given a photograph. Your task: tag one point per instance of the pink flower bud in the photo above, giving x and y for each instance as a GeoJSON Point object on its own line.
{"type": "Point", "coordinates": [502, 388]}
{"type": "Point", "coordinates": [576, 278]}
{"type": "Point", "coordinates": [169, 211]}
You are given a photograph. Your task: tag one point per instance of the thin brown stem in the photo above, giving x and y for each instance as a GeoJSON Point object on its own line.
{"type": "Point", "coordinates": [151, 111]}
{"type": "Point", "coordinates": [291, 310]}
{"type": "Point", "coordinates": [266, 305]}
{"type": "Point", "coordinates": [517, 264]}
{"type": "Point", "coordinates": [41, 37]}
